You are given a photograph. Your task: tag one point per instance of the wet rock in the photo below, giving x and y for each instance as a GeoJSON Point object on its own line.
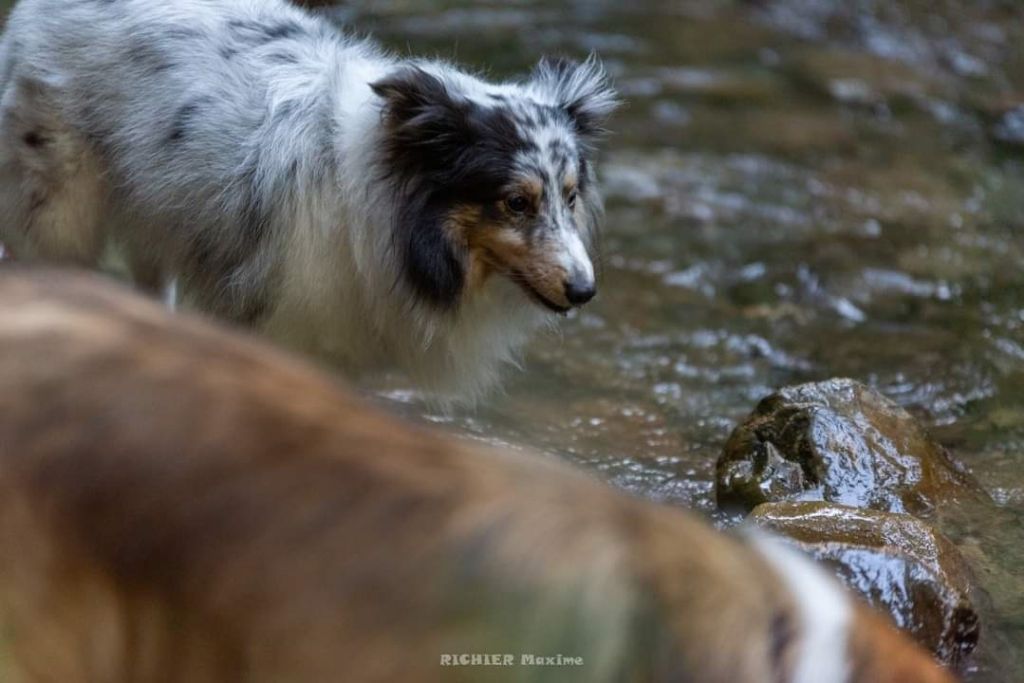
{"type": "Point", "coordinates": [898, 563]}
{"type": "Point", "coordinates": [838, 441]}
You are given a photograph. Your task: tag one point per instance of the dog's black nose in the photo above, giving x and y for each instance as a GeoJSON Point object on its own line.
{"type": "Point", "coordinates": [580, 290]}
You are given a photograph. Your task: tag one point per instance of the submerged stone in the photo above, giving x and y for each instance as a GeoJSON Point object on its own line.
{"type": "Point", "coordinates": [899, 564]}
{"type": "Point", "coordinates": [838, 441]}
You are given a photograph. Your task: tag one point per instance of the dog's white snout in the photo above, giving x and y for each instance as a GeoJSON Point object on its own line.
{"type": "Point", "coordinates": [574, 257]}
{"type": "Point", "coordinates": [580, 285]}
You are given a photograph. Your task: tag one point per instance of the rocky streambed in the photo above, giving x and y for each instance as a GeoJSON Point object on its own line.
{"type": "Point", "coordinates": [853, 480]}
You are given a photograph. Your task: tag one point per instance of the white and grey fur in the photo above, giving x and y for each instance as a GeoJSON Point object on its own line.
{"type": "Point", "coordinates": [285, 175]}
{"type": "Point", "coordinates": [825, 612]}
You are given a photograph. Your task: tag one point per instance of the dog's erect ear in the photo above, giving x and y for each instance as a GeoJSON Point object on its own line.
{"type": "Point", "coordinates": [437, 137]}
{"type": "Point", "coordinates": [581, 88]}
{"type": "Point", "coordinates": [427, 122]}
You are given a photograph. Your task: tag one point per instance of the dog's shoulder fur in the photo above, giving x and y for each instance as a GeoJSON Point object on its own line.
{"type": "Point", "coordinates": [297, 180]}
{"type": "Point", "coordinates": [181, 504]}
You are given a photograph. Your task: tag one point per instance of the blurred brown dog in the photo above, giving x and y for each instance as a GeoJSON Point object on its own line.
{"type": "Point", "coordinates": [180, 504]}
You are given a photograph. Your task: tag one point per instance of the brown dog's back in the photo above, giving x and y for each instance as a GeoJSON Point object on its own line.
{"type": "Point", "coordinates": [181, 504]}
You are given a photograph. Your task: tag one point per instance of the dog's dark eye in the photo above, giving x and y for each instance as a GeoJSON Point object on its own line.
{"type": "Point", "coordinates": [517, 203]}
{"type": "Point", "coordinates": [572, 199]}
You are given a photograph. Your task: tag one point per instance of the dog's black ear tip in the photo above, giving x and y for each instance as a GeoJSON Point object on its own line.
{"type": "Point", "coordinates": [404, 78]}
{"type": "Point", "coordinates": [381, 88]}
{"type": "Point", "coordinates": [409, 91]}
{"type": "Point", "coordinates": [393, 85]}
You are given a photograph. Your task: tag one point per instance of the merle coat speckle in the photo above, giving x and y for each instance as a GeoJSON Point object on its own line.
{"type": "Point", "coordinates": [382, 213]}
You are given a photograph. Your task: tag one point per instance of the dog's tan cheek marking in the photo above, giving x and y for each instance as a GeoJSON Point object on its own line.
{"type": "Point", "coordinates": [502, 240]}
{"type": "Point", "coordinates": [459, 226]}
{"type": "Point", "coordinates": [482, 240]}
{"type": "Point", "coordinates": [495, 246]}
{"type": "Point", "coordinates": [478, 272]}
{"type": "Point", "coordinates": [460, 223]}
{"type": "Point", "coordinates": [530, 256]}
{"type": "Point", "coordinates": [545, 271]}
{"type": "Point", "coordinates": [501, 247]}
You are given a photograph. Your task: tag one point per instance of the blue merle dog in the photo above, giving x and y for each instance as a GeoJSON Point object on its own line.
{"type": "Point", "coordinates": [379, 212]}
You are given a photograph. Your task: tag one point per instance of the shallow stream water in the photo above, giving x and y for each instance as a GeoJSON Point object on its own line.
{"type": "Point", "coordinates": [797, 189]}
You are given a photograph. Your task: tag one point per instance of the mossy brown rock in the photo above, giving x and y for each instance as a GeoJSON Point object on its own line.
{"type": "Point", "coordinates": [838, 441]}
{"type": "Point", "coordinates": [898, 563]}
